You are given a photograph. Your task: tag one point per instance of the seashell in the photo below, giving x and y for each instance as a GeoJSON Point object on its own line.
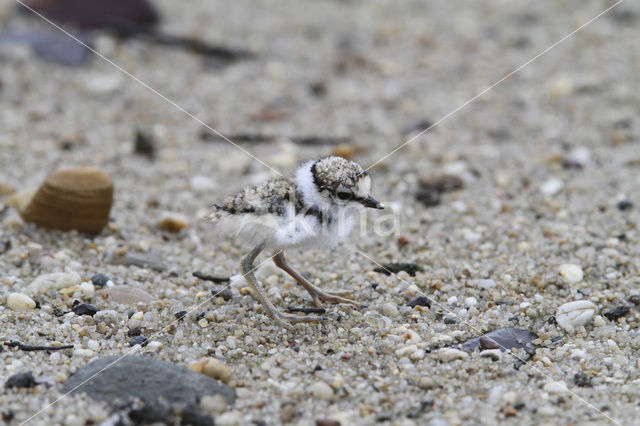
{"type": "Point", "coordinates": [72, 199]}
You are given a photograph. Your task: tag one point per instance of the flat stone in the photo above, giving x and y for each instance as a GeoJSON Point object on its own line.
{"type": "Point", "coordinates": [575, 314]}
{"type": "Point", "coordinates": [504, 338]}
{"type": "Point", "coordinates": [20, 302]}
{"type": "Point", "coordinates": [119, 380]}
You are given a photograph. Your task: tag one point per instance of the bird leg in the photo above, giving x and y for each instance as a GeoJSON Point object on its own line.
{"type": "Point", "coordinates": [280, 318]}
{"type": "Point", "coordinates": [316, 293]}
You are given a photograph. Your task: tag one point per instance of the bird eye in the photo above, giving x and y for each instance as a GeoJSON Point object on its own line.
{"type": "Point", "coordinates": [343, 195]}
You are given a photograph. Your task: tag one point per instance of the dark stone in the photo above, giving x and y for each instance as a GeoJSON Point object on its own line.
{"type": "Point", "coordinates": [430, 190]}
{"type": "Point", "coordinates": [7, 416]}
{"type": "Point", "coordinates": [618, 312]}
{"type": "Point", "coordinates": [327, 422]}
{"type": "Point", "coordinates": [424, 406]}
{"type": "Point", "coordinates": [635, 299]}
{"type": "Point", "coordinates": [180, 315]}
{"type": "Point", "coordinates": [448, 320]}
{"type": "Point", "coordinates": [394, 268]}
{"type": "Point", "coordinates": [134, 332]}
{"type": "Point", "coordinates": [384, 416]}
{"type": "Point", "coordinates": [21, 380]}
{"type": "Point", "coordinates": [200, 316]}
{"type": "Point", "coordinates": [84, 309]}
{"type": "Point", "coordinates": [139, 340]}
{"type": "Point", "coordinates": [151, 413]}
{"type": "Point", "coordinates": [419, 301]}
{"type": "Point", "coordinates": [50, 46]}
{"type": "Point", "coordinates": [194, 417]}
{"type": "Point", "coordinates": [124, 16]}
{"type": "Point", "coordinates": [624, 205]}
{"type": "Point", "coordinates": [146, 378]}
{"type": "Point", "coordinates": [488, 343]}
{"type": "Point", "coordinates": [505, 338]}
{"type": "Point", "coordinates": [582, 380]}
{"type": "Point", "coordinates": [100, 280]}
{"type": "Point", "coordinates": [144, 144]}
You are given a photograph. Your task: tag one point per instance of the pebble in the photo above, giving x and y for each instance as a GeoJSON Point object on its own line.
{"type": "Point", "coordinates": [213, 368]}
{"type": "Point", "coordinates": [575, 314]}
{"type": "Point", "coordinates": [419, 301]}
{"type": "Point", "coordinates": [128, 295]}
{"type": "Point", "coordinates": [213, 403]}
{"type": "Point", "coordinates": [21, 380]}
{"type": "Point", "coordinates": [173, 222]}
{"type": "Point", "coordinates": [20, 302]}
{"type": "Point", "coordinates": [471, 301]}
{"type": "Point", "coordinates": [84, 309]}
{"type": "Point", "coordinates": [139, 340]}
{"type": "Point", "coordinates": [571, 273]}
{"type": "Point", "coordinates": [108, 316]}
{"type": "Point", "coordinates": [86, 289]}
{"type": "Point", "coordinates": [56, 280]}
{"type": "Point", "coordinates": [494, 354]}
{"type": "Point", "coordinates": [389, 309]}
{"type": "Point", "coordinates": [100, 280]}
{"type": "Point", "coordinates": [555, 387]}
{"type": "Point", "coordinates": [321, 390]}
{"type": "Point", "coordinates": [551, 186]}
{"type": "Point", "coordinates": [483, 283]}
{"type": "Point", "coordinates": [231, 418]}
{"type": "Point", "coordinates": [451, 354]}
{"type": "Point", "coordinates": [72, 199]}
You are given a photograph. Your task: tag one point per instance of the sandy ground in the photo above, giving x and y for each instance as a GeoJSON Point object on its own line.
{"type": "Point", "coordinates": [386, 66]}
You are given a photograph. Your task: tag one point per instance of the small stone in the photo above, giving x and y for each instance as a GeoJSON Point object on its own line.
{"type": "Point", "coordinates": [618, 312]}
{"type": "Point", "coordinates": [494, 354]}
{"type": "Point", "coordinates": [623, 205]}
{"type": "Point", "coordinates": [128, 295]}
{"type": "Point", "coordinates": [451, 354]}
{"type": "Point", "coordinates": [407, 350]}
{"type": "Point", "coordinates": [213, 368]}
{"type": "Point", "coordinates": [72, 199]}
{"type": "Point", "coordinates": [321, 390]}
{"type": "Point", "coordinates": [203, 322]}
{"type": "Point", "coordinates": [555, 388]}
{"type": "Point", "coordinates": [344, 151]}
{"type": "Point", "coordinates": [173, 222]}
{"type": "Point", "coordinates": [84, 309]}
{"type": "Point", "coordinates": [448, 320]}
{"type": "Point", "coordinates": [20, 302]}
{"type": "Point", "coordinates": [22, 380]}
{"type": "Point", "coordinates": [577, 158]}
{"type": "Point", "coordinates": [100, 280]}
{"type": "Point", "coordinates": [551, 187]}
{"type": "Point", "coordinates": [144, 144]}
{"type": "Point", "coordinates": [575, 314]}
{"type": "Point", "coordinates": [471, 301]}
{"type": "Point", "coordinates": [389, 309]}
{"type": "Point", "coordinates": [107, 316]}
{"type": "Point", "coordinates": [86, 289]}
{"type": "Point", "coordinates": [571, 273]}
{"type": "Point", "coordinates": [327, 422]}
{"type": "Point", "coordinates": [419, 301]}
{"type": "Point", "coordinates": [56, 280]}
{"type": "Point", "coordinates": [139, 340]}
{"type": "Point", "coordinates": [230, 418]}
{"type": "Point", "coordinates": [582, 380]}
{"type": "Point", "coordinates": [180, 315]}
{"type": "Point", "coordinates": [483, 283]}
{"type": "Point", "coordinates": [213, 403]}
{"type": "Point", "coordinates": [288, 412]}
{"type": "Point", "coordinates": [598, 321]}
{"type": "Point", "coordinates": [337, 382]}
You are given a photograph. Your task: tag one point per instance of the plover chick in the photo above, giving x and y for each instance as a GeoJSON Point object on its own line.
{"type": "Point", "coordinates": [314, 209]}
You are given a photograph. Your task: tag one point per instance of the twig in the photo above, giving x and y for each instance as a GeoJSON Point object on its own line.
{"type": "Point", "coordinates": [28, 348]}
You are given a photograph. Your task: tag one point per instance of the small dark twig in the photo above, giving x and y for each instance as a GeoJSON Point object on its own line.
{"type": "Point", "coordinates": [28, 348]}
{"type": "Point", "coordinates": [292, 309]}
{"type": "Point", "coordinates": [217, 280]}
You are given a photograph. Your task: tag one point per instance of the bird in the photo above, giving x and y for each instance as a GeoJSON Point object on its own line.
{"type": "Point", "coordinates": [313, 208]}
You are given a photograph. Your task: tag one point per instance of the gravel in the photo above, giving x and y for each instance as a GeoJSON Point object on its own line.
{"type": "Point", "coordinates": [532, 200]}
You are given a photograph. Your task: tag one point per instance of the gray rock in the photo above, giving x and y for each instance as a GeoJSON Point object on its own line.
{"type": "Point", "coordinates": [117, 381]}
{"type": "Point", "coordinates": [504, 338]}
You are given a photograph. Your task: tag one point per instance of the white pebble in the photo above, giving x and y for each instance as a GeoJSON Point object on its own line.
{"type": "Point", "coordinates": [389, 309]}
{"type": "Point", "coordinates": [213, 403]}
{"type": "Point", "coordinates": [20, 302]}
{"type": "Point", "coordinates": [494, 354]}
{"type": "Point", "coordinates": [417, 355]}
{"type": "Point", "coordinates": [93, 345]}
{"type": "Point", "coordinates": [231, 418]}
{"type": "Point", "coordinates": [555, 387]}
{"type": "Point", "coordinates": [571, 273]}
{"type": "Point", "coordinates": [483, 283]}
{"type": "Point", "coordinates": [471, 301]}
{"type": "Point", "coordinates": [86, 289]}
{"type": "Point", "coordinates": [575, 314]}
{"type": "Point", "coordinates": [598, 321]}
{"type": "Point", "coordinates": [407, 350]}
{"type": "Point", "coordinates": [108, 316]}
{"type": "Point", "coordinates": [451, 354]}
{"type": "Point", "coordinates": [56, 280]}
{"type": "Point", "coordinates": [551, 186]}
{"type": "Point", "coordinates": [321, 390]}
{"type": "Point", "coordinates": [452, 300]}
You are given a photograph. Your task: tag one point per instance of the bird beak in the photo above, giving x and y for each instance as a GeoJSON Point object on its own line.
{"type": "Point", "coordinates": [372, 203]}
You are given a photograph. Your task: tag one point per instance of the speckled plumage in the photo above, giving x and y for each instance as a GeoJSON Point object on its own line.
{"type": "Point", "coordinates": [313, 209]}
